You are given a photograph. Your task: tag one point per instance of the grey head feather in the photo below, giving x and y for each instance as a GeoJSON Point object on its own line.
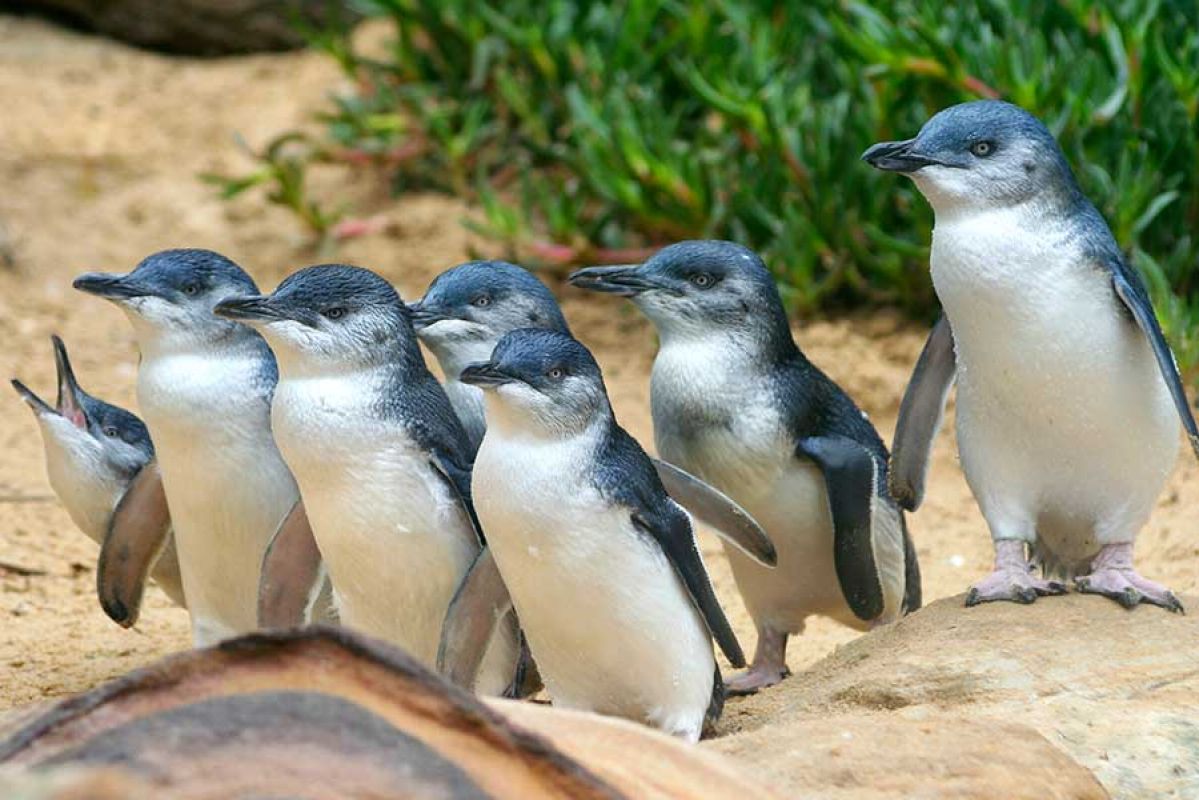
{"type": "Point", "coordinates": [365, 319]}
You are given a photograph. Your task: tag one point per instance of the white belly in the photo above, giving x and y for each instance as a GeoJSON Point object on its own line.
{"type": "Point", "coordinates": [226, 485]}
{"type": "Point", "coordinates": [1065, 426]}
{"type": "Point", "coordinates": [395, 540]}
{"type": "Point", "coordinates": [748, 455]}
{"type": "Point", "coordinates": [609, 623]}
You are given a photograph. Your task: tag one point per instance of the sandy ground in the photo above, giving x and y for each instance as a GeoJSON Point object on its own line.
{"type": "Point", "coordinates": [100, 146]}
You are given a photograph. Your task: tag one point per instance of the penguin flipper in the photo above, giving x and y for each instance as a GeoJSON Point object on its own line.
{"type": "Point", "coordinates": [920, 416]}
{"type": "Point", "coordinates": [457, 478]}
{"type": "Point", "coordinates": [477, 607]}
{"type": "Point", "coordinates": [137, 533]}
{"type": "Point", "coordinates": [671, 529]}
{"type": "Point", "coordinates": [850, 475]}
{"type": "Point", "coordinates": [292, 573]}
{"type": "Point", "coordinates": [714, 508]}
{"type": "Point", "coordinates": [1135, 297]}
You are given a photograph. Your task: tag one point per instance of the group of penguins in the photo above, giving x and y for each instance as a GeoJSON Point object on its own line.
{"type": "Point", "coordinates": [299, 462]}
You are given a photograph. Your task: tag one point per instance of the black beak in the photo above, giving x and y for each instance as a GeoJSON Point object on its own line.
{"type": "Point", "coordinates": [625, 280]}
{"type": "Point", "coordinates": [38, 405]}
{"type": "Point", "coordinates": [111, 287]}
{"type": "Point", "coordinates": [251, 308]}
{"type": "Point", "coordinates": [898, 157]}
{"type": "Point", "coordinates": [69, 402]}
{"type": "Point", "coordinates": [484, 375]}
{"type": "Point", "coordinates": [423, 317]}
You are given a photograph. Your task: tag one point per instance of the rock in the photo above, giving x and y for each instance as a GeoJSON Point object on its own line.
{"type": "Point", "coordinates": [1001, 700]}
{"type": "Point", "coordinates": [640, 761]}
{"type": "Point", "coordinates": [198, 27]}
{"type": "Point", "coordinates": [863, 756]}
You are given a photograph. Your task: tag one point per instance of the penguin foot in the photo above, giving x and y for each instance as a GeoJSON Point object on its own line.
{"type": "Point", "coordinates": [1013, 578]}
{"type": "Point", "coordinates": [769, 665]}
{"type": "Point", "coordinates": [758, 676]}
{"type": "Point", "coordinates": [1128, 589]}
{"type": "Point", "coordinates": [1016, 585]}
{"type": "Point", "coordinates": [1112, 575]}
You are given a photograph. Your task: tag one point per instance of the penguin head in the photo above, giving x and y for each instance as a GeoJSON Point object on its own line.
{"type": "Point", "coordinates": [541, 381]}
{"type": "Point", "coordinates": [88, 433]}
{"type": "Point", "coordinates": [170, 295]}
{"type": "Point", "coordinates": [469, 307]}
{"type": "Point", "coordinates": [979, 155]}
{"type": "Point", "coordinates": [698, 289]}
{"type": "Point", "coordinates": [329, 318]}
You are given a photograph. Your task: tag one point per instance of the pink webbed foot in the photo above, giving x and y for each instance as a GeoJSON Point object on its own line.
{"type": "Point", "coordinates": [768, 668]}
{"type": "Point", "coordinates": [1112, 575]}
{"type": "Point", "coordinates": [1013, 578]}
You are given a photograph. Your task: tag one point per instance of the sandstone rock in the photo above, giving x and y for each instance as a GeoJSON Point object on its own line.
{"type": "Point", "coordinates": [638, 760]}
{"type": "Point", "coordinates": [198, 27]}
{"type": "Point", "coordinates": [959, 700]}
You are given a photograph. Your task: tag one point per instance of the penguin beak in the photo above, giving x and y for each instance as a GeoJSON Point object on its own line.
{"type": "Point", "coordinates": [625, 280]}
{"type": "Point", "coordinates": [111, 287]}
{"type": "Point", "coordinates": [253, 308]}
{"type": "Point", "coordinates": [485, 375]}
{"type": "Point", "coordinates": [69, 403]}
{"type": "Point", "coordinates": [899, 157]}
{"type": "Point", "coordinates": [39, 406]}
{"type": "Point", "coordinates": [423, 316]}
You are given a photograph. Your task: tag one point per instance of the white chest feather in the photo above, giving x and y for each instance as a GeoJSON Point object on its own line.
{"type": "Point", "coordinates": [1064, 422]}
{"type": "Point", "coordinates": [718, 420]}
{"type": "Point", "coordinates": [468, 405]}
{"type": "Point", "coordinates": [226, 484]}
{"type": "Point", "coordinates": [394, 538]}
{"type": "Point", "coordinates": [88, 487]}
{"type": "Point", "coordinates": [609, 622]}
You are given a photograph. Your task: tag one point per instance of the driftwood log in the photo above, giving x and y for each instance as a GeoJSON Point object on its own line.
{"type": "Point", "coordinates": [323, 713]}
{"type": "Point", "coordinates": [195, 27]}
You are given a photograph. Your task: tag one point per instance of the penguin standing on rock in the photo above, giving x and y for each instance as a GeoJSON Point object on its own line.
{"type": "Point", "coordinates": [1068, 398]}
{"type": "Point", "coordinates": [204, 386]}
{"type": "Point", "coordinates": [382, 461]}
{"type": "Point", "coordinates": [737, 404]}
{"type": "Point", "coordinates": [94, 451]}
{"type": "Point", "coordinates": [579, 520]}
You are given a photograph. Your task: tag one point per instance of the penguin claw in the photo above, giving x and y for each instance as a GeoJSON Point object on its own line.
{"type": "Point", "coordinates": [1128, 589]}
{"type": "Point", "coordinates": [1013, 586]}
{"type": "Point", "coordinates": [753, 679]}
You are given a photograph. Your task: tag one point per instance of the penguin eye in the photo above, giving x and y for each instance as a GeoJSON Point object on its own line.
{"type": "Point", "coordinates": [703, 280]}
{"type": "Point", "coordinates": [556, 373]}
{"type": "Point", "coordinates": [110, 432]}
{"type": "Point", "coordinates": [337, 312]}
{"type": "Point", "coordinates": [982, 149]}
{"type": "Point", "coordinates": [191, 289]}
{"type": "Point", "coordinates": [482, 301]}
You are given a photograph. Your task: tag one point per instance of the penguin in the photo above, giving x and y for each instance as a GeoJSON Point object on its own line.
{"type": "Point", "coordinates": [736, 403]}
{"type": "Point", "coordinates": [461, 318]}
{"type": "Point", "coordinates": [204, 386]}
{"type": "Point", "coordinates": [601, 564]}
{"type": "Point", "coordinates": [1068, 397]}
{"type": "Point", "coordinates": [382, 461]}
{"type": "Point", "coordinates": [94, 450]}
{"type": "Point", "coordinates": [466, 310]}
